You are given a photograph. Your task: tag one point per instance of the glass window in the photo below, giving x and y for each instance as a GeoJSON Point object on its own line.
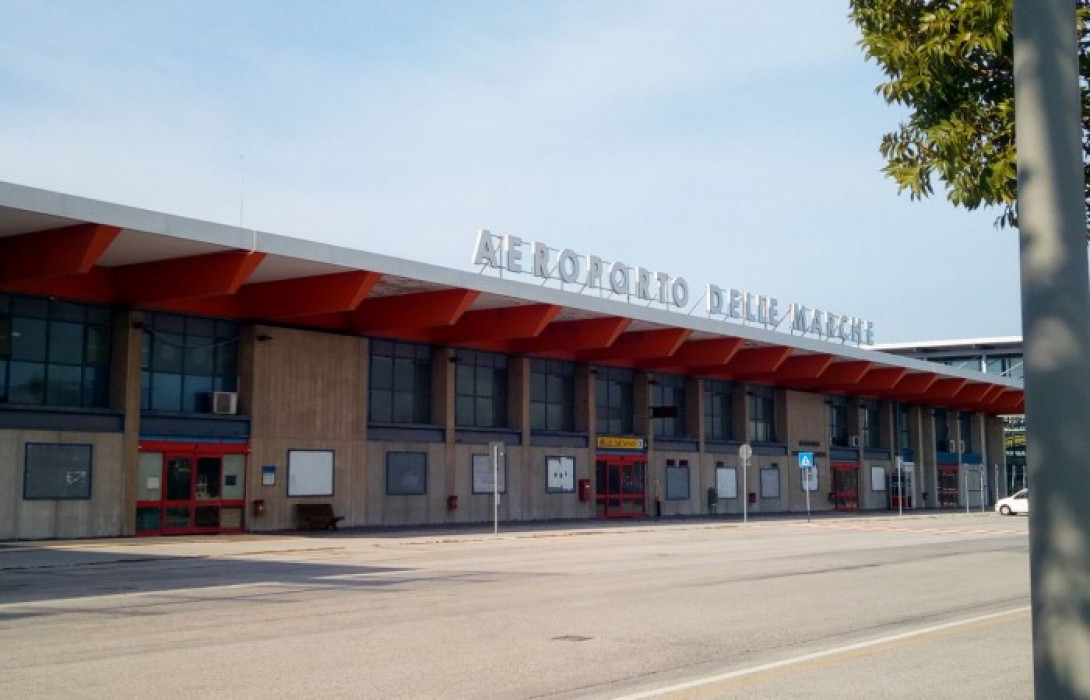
{"type": "Point", "coordinates": [613, 401]}
{"type": "Point", "coordinates": [872, 430]}
{"type": "Point", "coordinates": [762, 414]}
{"type": "Point", "coordinates": [186, 359]}
{"type": "Point", "coordinates": [942, 431]}
{"type": "Point", "coordinates": [54, 471]}
{"type": "Point", "coordinates": [677, 480]}
{"type": "Point", "coordinates": [53, 353]}
{"type": "Point", "coordinates": [480, 389]}
{"type": "Point", "coordinates": [1005, 365]}
{"type": "Point", "coordinates": [400, 383]}
{"type": "Point", "coordinates": [965, 426]}
{"type": "Point", "coordinates": [717, 409]}
{"type": "Point", "coordinates": [668, 392]}
{"type": "Point", "coordinates": [552, 395]}
{"type": "Point", "coordinates": [406, 473]}
{"type": "Point", "coordinates": [28, 339]}
{"type": "Point", "coordinates": [904, 428]}
{"type": "Point", "coordinates": [837, 412]}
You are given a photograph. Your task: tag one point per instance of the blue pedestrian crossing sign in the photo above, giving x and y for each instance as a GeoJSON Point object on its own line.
{"type": "Point", "coordinates": [806, 460]}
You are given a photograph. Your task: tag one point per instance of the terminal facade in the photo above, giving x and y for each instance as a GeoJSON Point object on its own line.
{"type": "Point", "coordinates": [160, 375]}
{"type": "Point", "coordinates": [1002, 356]}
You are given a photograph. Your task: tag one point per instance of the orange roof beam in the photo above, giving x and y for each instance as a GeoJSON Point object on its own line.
{"type": "Point", "coordinates": [506, 323]}
{"type": "Point", "coordinates": [96, 286]}
{"type": "Point", "coordinates": [749, 363]}
{"type": "Point", "coordinates": [412, 311]}
{"type": "Point", "coordinates": [945, 389]}
{"type": "Point", "coordinates": [307, 296]}
{"type": "Point", "coordinates": [147, 284]}
{"type": "Point", "coordinates": [72, 250]}
{"type": "Point", "coordinates": [572, 336]}
{"type": "Point", "coordinates": [639, 345]}
{"type": "Point", "coordinates": [698, 353]}
{"type": "Point", "coordinates": [879, 379]}
{"type": "Point", "coordinates": [912, 386]}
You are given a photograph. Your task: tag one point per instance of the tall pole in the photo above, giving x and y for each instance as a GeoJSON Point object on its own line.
{"type": "Point", "coordinates": [745, 491]}
{"type": "Point", "coordinates": [1056, 332]}
{"type": "Point", "coordinates": [900, 466]}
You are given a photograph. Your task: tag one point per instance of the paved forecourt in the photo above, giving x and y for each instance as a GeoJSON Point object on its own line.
{"type": "Point", "coordinates": [928, 605]}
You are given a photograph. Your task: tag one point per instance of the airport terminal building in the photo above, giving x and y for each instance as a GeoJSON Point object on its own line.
{"type": "Point", "coordinates": [161, 375]}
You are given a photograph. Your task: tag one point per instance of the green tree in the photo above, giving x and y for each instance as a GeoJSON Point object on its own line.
{"type": "Point", "coordinates": [950, 63]}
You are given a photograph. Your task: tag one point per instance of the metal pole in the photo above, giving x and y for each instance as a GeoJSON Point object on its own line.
{"type": "Point", "coordinates": [497, 453]}
{"type": "Point", "coordinates": [745, 491]}
{"type": "Point", "coordinates": [1056, 333]}
{"type": "Point", "coordinates": [807, 472]}
{"type": "Point", "coordinates": [900, 486]}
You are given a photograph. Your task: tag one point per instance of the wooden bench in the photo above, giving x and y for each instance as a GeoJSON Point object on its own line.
{"type": "Point", "coordinates": [317, 516]}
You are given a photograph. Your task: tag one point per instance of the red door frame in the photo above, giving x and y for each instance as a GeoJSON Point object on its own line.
{"type": "Point", "coordinates": [845, 497]}
{"type": "Point", "coordinates": [612, 504]}
{"type": "Point", "coordinates": [948, 495]}
{"type": "Point", "coordinates": [193, 451]}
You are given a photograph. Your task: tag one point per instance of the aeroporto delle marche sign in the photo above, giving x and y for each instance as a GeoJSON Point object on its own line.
{"type": "Point", "coordinates": [590, 272]}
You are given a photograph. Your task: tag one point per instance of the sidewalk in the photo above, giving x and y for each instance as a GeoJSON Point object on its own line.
{"type": "Point", "coordinates": [39, 554]}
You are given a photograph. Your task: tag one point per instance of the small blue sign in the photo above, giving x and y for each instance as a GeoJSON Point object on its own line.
{"type": "Point", "coordinates": [806, 460]}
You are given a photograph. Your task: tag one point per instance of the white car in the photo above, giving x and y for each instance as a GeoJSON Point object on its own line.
{"type": "Point", "coordinates": [1014, 505]}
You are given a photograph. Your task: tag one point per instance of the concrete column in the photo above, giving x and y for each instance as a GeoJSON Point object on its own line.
{"type": "Point", "coordinates": [128, 333]}
{"type": "Point", "coordinates": [1056, 332]}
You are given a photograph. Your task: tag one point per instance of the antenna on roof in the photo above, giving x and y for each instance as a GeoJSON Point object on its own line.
{"type": "Point", "coordinates": [241, 190]}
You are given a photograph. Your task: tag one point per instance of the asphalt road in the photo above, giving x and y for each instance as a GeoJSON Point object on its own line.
{"type": "Point", "coordinates": [931, 606]}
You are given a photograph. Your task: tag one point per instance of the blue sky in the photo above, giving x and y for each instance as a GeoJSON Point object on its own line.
{"type": "Point", "coordinates": [729, 142]}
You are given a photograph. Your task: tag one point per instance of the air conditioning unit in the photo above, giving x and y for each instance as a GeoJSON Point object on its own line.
{"type": "Point", "coordinates": [225, 403]}
{"type": "Point", "coordinates": [853, 441]}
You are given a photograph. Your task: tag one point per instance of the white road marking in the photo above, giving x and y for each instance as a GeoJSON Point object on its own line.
{"type": "Point", "coordinates": [719, 678]}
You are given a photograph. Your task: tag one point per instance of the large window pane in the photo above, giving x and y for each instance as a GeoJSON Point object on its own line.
{"type": "Point", "coordinates": [26, 382]}
{"type": "Point", "coordinates": [400, 382]}
{"type": "Point", "coordinates": [28, 339]}
{"type": "Point", "coordinates": [168, 355]}
{"type": "Point", "coordinates": [382, 373]}
{"type": "Point", "coordinates": [404, 405]}
{"type": "Point", "coordinates": [166, 392]}
{"type": "Point", "coordinates": [552, 395]}
{"type": "Point", "coordinates": [481, 390]}
{"type": "Point", "coordinates": [66, 343]}
{"type": "Point", "coordinates": [97, 350]}
{"type": "Point", "coordinates": [200, 359]}
{"type": "Point", "coordinates": [190, 358]}
{"type": "Point", "coordinates": [196, 393]}
{"type": "Point", "coordinates": [65, 386]}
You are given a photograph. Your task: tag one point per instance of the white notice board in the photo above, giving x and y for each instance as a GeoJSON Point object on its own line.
{"type": "Point", "coordinates": [560, 474]}
{"type": "Point", "coordinates": [310, 472]}
{"type": "Point", "coordinates": [482, 474]}
{"type": "Point", "coordinates": [726, 482]}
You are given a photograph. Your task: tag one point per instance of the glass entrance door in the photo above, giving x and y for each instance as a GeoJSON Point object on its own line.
{"type": "Point", "coordinates": [199, 490]}
{"type": "Point", "coordinates": [845, 485]}
{"type": "Point", "coordinates": [192, 499]}
{"type": "Point", "coordinates": [948, 486]}
{"type": "Point", "coordinates": [621, 491]}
